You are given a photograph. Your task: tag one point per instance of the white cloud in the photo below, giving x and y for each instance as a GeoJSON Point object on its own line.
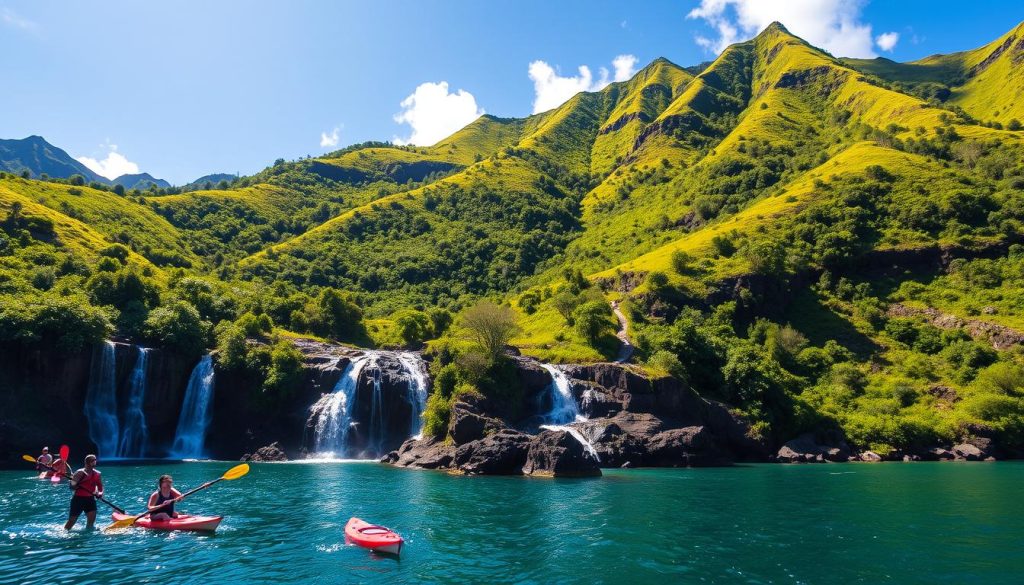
{"type": "Point", "coordinates": [12, 18]}
{"type": "Point", "coordinates": [111, 167]}
{"type": "Point", "coordinates": [887, 41]}
{"type": "Point", "coordinates": [552, 90]}
{"type": "Point", "coordinates": [433, 113]}
{"type": "Point", "coordinates": [329, 140]}
{"type": "Point", "coordinates": [834, 25]}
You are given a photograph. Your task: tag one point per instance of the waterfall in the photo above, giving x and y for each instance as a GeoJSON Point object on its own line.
{"type": "Point", "coordinates": [333, 412]}
{"type": "Point", "coordinates": [101, 400]}
{"type": "Point", "coordinates": [416, 372]}
{"type": "Point", "coordinates": [377, 418]}
{"type": "Point", "coordinates": [134, 433]}
{"type": "Point", "coordinates": [564, 409]}
{"type": "Point", "coordinates": [195, 412]}
{"type": "Point", "coordinates": [563, 404]}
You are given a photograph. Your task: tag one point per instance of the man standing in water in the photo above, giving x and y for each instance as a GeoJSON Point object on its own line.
{"type": "Point", "coordinates": [86, 486]}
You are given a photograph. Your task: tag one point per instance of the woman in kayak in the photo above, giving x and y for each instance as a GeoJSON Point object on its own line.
{"type": "Point", "coordinates": [161, 502]}
{"type": "Point", "coordinates": [87, 485]}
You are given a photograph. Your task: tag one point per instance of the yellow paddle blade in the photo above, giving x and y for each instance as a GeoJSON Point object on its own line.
{"type": "Point", "coordinates": [29, 458]}
{"type": "Point", "coordinates": [233, 473]}
{"type": "Point", "coordinates": [123, 523]}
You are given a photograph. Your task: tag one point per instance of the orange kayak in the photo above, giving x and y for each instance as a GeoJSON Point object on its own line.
{"type": "Point", "coordinates": [373, 537]}
{"type": "Point", "coordinates": [182, 522]}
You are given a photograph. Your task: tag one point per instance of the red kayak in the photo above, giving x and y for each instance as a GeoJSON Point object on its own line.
{"type": "Point", "coordinates": [373, 537]}
{"type": "Point", "coordinates": [182, 522]}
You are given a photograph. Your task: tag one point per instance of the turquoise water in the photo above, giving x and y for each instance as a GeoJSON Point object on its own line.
{"type": "Point", "coordinates": [852, 523]}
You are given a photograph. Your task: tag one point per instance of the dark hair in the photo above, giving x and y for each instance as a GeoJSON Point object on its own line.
{"type": "Point", "coordinates": [160, 481]}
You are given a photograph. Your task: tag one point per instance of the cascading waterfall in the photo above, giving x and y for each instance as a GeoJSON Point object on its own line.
{"type": "Point", "coordinates": [133, 432]}
{"type": "Point", "coordinates": [101, 400]}
{"type": "Point", "coordinates": [564, 409]}
{"type": "Point", "coordinates": [195, 415]}
{"type": "Point", "coordinates": [377, 418]}
{"type": "Point", "coordinates": [333, 412]}
{"type": "Point", "coordinates": [416, 372]}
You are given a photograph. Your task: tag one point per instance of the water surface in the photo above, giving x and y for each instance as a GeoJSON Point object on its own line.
{"type": "Point", "coordinates": [852, 523]}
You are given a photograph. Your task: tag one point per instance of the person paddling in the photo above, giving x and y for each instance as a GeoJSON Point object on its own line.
{"type": "Point", "coordinates": [44, 460]}
{"type": "Point", "coordinates": [86, 485]}
{"type": "Point", "coordinates": [161, 502]}
{"type": "Point", "coordinates": [60, 467]}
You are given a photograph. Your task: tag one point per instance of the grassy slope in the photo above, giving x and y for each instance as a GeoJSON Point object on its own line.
{"type": "Point", "coordinates": [92, 214]}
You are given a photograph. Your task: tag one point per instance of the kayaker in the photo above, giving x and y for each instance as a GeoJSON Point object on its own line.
{"type": "Point", "coordinates": [43, 460]}
{"type": "Point", "coordinates": [60, 467]}
{"type": "Point", "coordinates": [161, 502]}
{"type": "Point", "coordinates": [86, 486]}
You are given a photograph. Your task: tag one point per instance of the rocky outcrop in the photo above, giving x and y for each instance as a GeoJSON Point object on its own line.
{"type": "Point", "coordinates": [469, 425]}
{"type": "Point", "coordinates": [559, 454]}
{"type": "Point", "coordinates": [807, 448]}
{"type": "Point", "coordinates": [271, 452]}
{"type": "Point", "coordinates": [428, 453]}
{"type": "Point", "coordinates": [1000, 336]}
{"type": "Point", "coordinates": [502, 453]}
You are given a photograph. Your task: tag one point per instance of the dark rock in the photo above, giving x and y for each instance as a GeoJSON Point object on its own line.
{"type": "Point", "coordinates": [428, 453]}
{"type": "Point", "coordinates": [686, 447]}
{"type": "Point", "coordinates": [937, 454]}
{"type": "Point", "coordinates": [969, 452]}
{"type": "Point", "coordinates": [807, 449]}
{"type": "Point", "coordinates": [502, 453]}
{"type": "Point", "coordinates": [468, 425]}
{"type": "Point", "coordinates": [560, 454]}
{"type": "Point", "coordinates": [271, 452]}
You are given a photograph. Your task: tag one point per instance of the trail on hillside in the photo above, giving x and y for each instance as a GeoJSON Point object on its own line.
{"type": "Point", "coordinates": [626, 346]}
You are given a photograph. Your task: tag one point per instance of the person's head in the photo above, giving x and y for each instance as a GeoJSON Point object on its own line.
{"type": "Point", "coordinates": [165, 481]}
{"type": "Point", "coordinates": [46, 450]}
{"type": "Point", "coordinates": [90, 461]}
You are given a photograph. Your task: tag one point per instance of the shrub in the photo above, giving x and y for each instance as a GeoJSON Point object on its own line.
{"type": "Point", "coordinates": [178, 327]}
{"type": "Point", "coordinates": [413, 326]}
{"type": "Point", "coordinates": [590, 319]}
{"type": "Point", "coordinates": [285, 373]}
{"type": "Point", "coordinates": [681, 262]}
{"type": "Point", "coordinates": [490, 326]}
{"type": "Point", "coordinates": [666, 361]}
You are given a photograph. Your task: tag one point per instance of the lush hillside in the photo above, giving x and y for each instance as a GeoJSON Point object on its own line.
{"type": "Point", "coordinates": [821, 243]}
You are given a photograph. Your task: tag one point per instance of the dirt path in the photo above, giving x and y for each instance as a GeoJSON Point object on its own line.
{"type": "Point", "coordinates": [626, 346]}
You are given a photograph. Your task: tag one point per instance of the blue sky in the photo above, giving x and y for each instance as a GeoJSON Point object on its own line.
{"type": "Point", "coordinates": [192, 87]}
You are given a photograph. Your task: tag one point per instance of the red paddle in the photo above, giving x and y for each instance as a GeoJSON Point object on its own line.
{"type": "Point", "coordinates": [65, 452]}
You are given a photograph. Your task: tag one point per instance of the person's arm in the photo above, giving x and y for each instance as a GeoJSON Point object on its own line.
{"type": "Point", "coordinates": [77, 477]}
{"type": "Point", "coordinates": [99, 485]}
{"type": "Point", "coordinates": [176, 494]}
{"type": "Point", "coordinates": [151, 505]}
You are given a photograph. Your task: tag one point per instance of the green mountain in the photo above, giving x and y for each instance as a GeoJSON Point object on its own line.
{"type": "Point", "coordinates": [140, 181]}
{"type": "Point", "coordinates": [38, 157]}
{"type": "Point", "coordinates": [821, 243]}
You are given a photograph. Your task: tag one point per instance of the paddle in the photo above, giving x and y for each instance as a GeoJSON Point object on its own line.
{"type": "Point", "coordinates": [233, 473]}
{"type": "Point", "coordinates": [65, 474]}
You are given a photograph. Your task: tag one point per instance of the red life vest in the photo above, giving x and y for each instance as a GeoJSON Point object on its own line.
{"type": "Point", "coordinates": [88, 484]}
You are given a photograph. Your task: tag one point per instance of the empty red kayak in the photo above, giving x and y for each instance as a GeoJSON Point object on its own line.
{"type": "Point", "coordinates": [182, 522]}
{"type": "Point", "coordinates": [373, 537]}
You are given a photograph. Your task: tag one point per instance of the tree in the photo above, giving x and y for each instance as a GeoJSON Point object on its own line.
{"type": "Point", "coordinates": [681, 262]}
{"type": "Point", "coordinates": [119, 190]}
{"type": "Point", "coordinates": [76, 180]}
{"type": "Point", "coordinates": [413, 326]}
{"type": "Point", "coordinates": [565, 303]}
{"type": "Point", "coordinates": [178, 326]}
{"type": "Point", "coordinates": [490, 326]}
{"type": "Point", "coordinates": [590, 319]}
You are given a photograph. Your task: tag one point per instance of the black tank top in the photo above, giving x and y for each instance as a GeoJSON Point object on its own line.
{"type": "Point", "coordinates": [169, 508]}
